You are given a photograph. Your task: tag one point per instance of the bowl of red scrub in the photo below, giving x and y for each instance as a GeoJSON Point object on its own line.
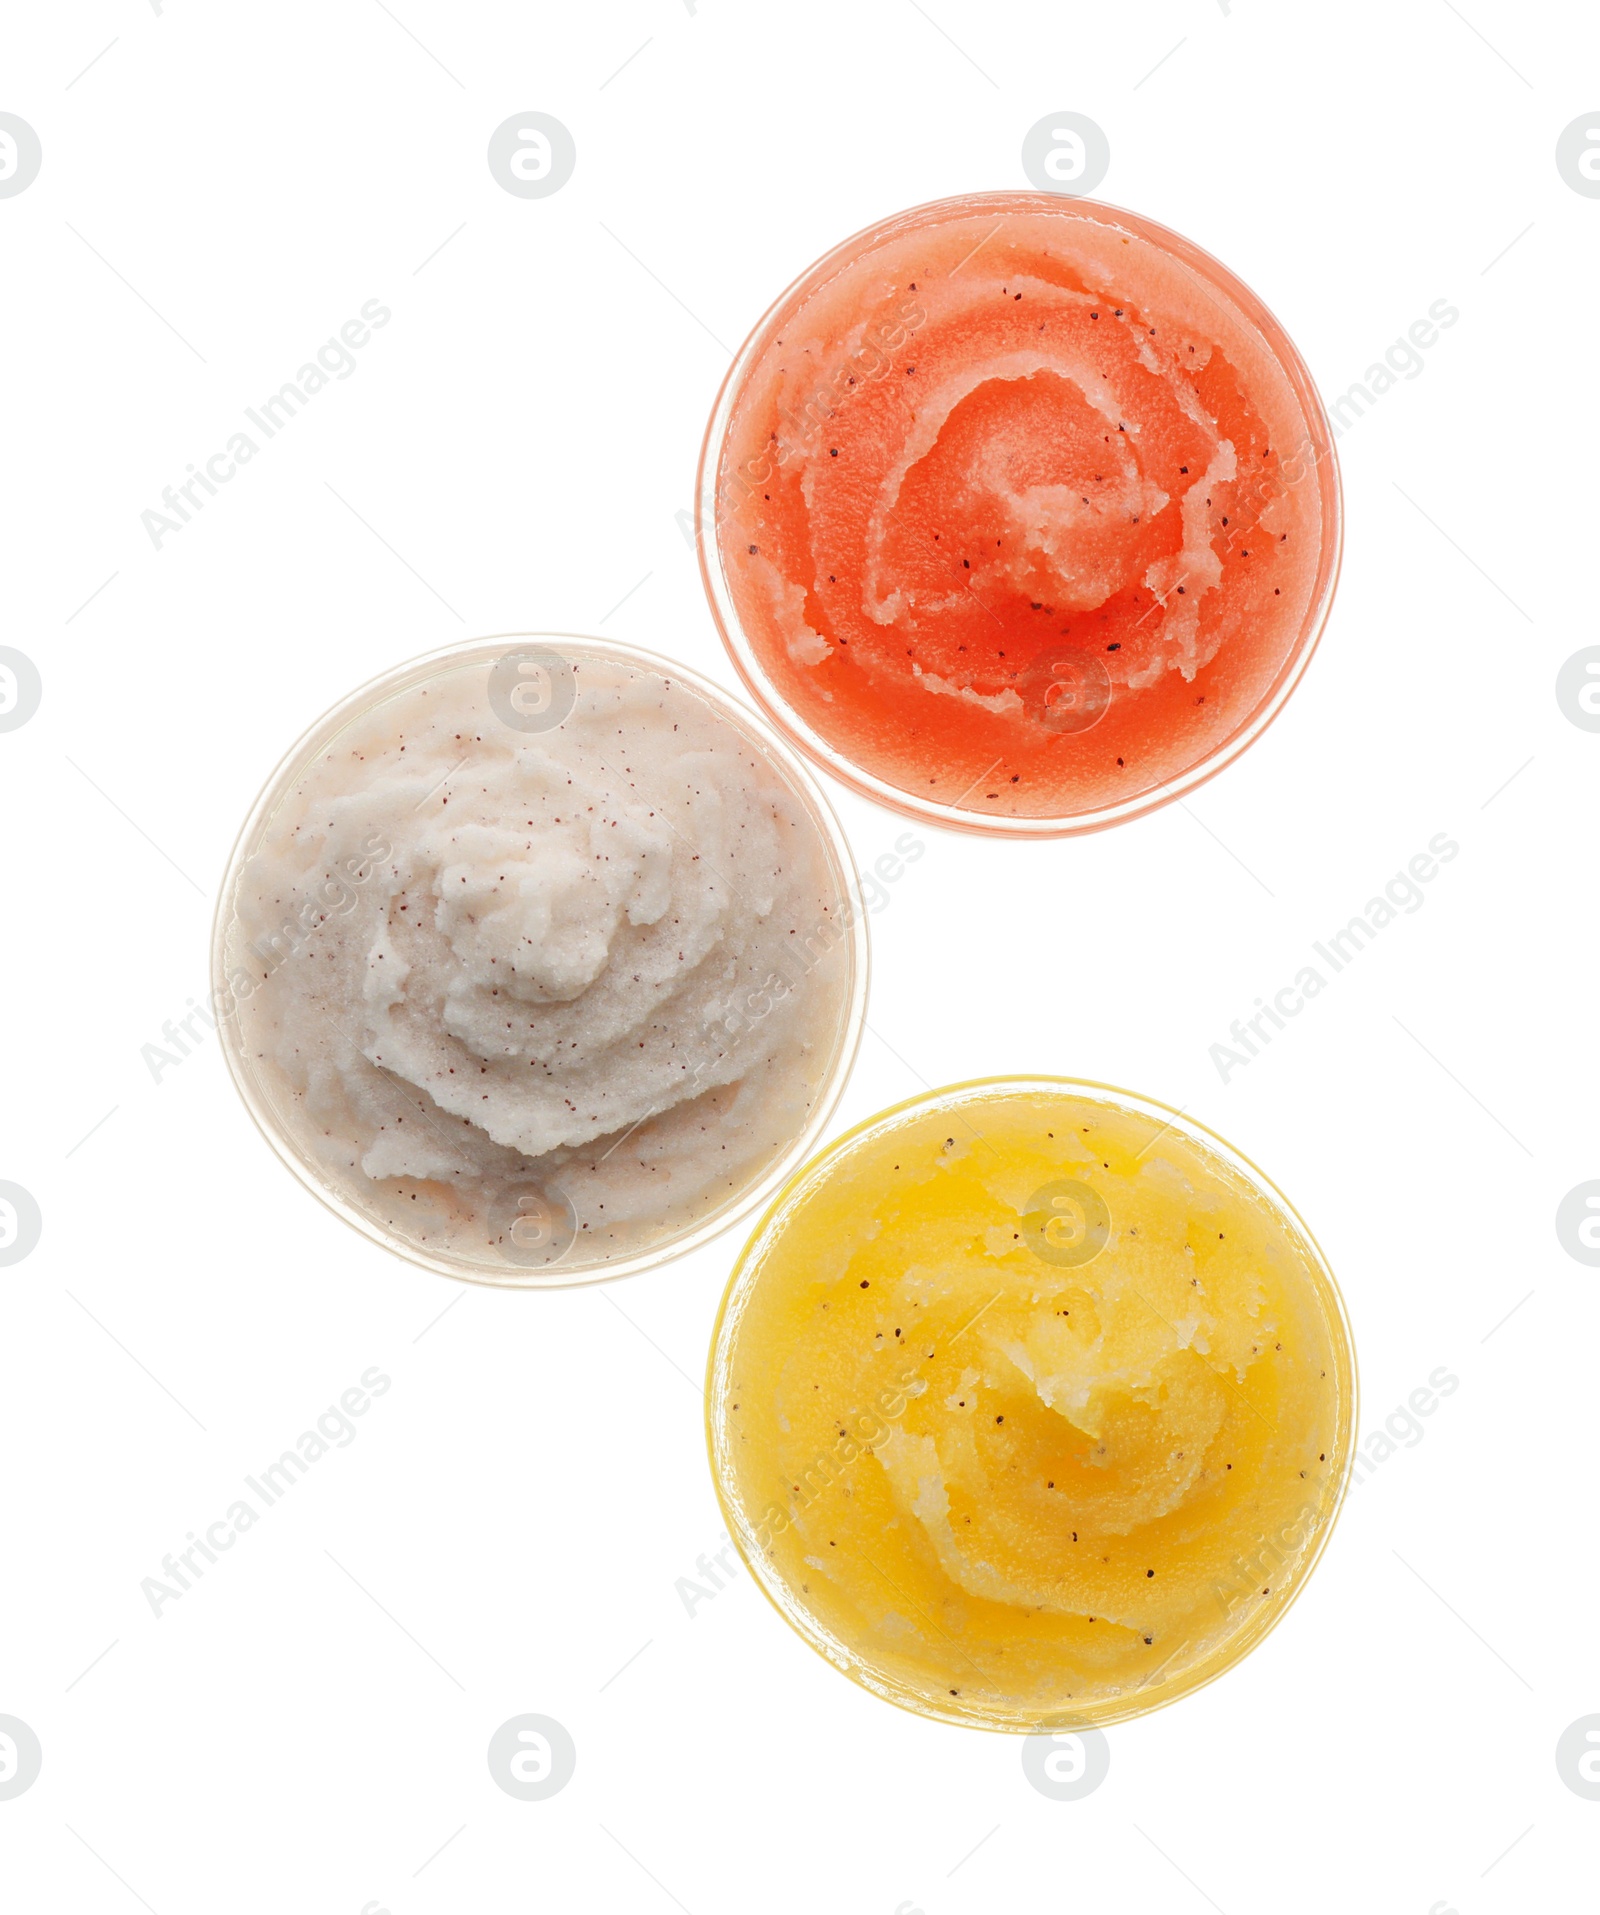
{"type": "Point", "coordinates": [1019, 514]}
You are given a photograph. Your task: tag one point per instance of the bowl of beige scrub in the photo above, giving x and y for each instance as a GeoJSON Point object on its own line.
{"type": "Point", "coordinates": [539, 960]}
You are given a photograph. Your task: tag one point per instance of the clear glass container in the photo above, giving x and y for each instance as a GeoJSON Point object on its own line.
{"type": "Point", "coordinates": [1016, 1438]}
{"type": "Point", "coordinates": [573, 915]}
{"type": "Point", "coordinates": [817, 566]}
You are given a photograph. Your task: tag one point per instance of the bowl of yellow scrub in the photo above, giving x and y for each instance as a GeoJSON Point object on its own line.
{"type": "Point", "coordinates": [1031, 1404]}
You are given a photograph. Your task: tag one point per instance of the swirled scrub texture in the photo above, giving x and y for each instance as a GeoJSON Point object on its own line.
{"type": "Point", "coordinates": [538, 965]}
{"type": "Point", "coordinates": [1029, 1407]}
{"type": "Point", "coordinates": [1025, 507]}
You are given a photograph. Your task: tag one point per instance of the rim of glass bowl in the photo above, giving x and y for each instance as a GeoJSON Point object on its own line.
{"type": "Point", "coordinates": [315, 738]}
{"type": "Point", "coordinates": [840, 1655]}
{"type": "Point", "coordinates": [1218, 278]}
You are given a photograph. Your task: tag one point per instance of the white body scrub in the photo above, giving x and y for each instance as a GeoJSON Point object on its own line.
{"type": "Point", "coordinates": [538, 960]}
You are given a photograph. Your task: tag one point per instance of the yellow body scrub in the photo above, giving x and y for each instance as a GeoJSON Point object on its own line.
{"type": "Point", "coordinates": [1030, 1405]}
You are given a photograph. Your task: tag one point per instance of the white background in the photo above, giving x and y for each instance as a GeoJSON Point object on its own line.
{"type": "Point", "coordinates": [518, 441]}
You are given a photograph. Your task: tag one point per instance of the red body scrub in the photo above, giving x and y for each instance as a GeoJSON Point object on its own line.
{"type": "Point", "coordinates": [1019, 513]}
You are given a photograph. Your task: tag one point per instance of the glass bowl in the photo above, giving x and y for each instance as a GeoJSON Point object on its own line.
{"type": "Point", "coordinates": [824, 568]}
{"type": "Point", "coordinates": [1007, 1428]}
{"type": "Point", "coordinates": [539, 959]}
